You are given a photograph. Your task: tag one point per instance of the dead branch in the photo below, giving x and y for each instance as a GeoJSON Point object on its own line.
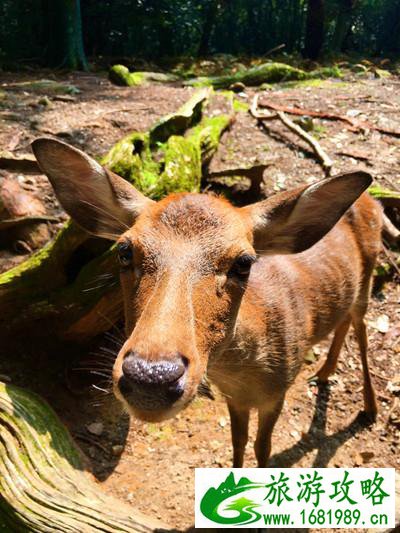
{"type": "Point", "coordinates": [355, 154]}
{"type": "Point", "coordinates": [25, 165]}
{"type": "Point", "coordinates": [249, 172]}
{"type": "Point", "coordinates": [255, 112]}
{"type": "Point", "coordinates": [23, 221]}
{"type": "Point", "coordinates": [351, 122]}
{"type": "Point", "coordinates": [322, 156]}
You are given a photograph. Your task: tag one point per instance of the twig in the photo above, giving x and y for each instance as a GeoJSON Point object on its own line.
{"type": "Point", "coordinates": [355, 154]}
{"type": "Point", "coordinates": [323, 157]}
{"type": "Point", "coordinates": [21, 221]}
{"type": "Point", "coordinates": [90, 440]}
{"type": "Point", "coordinates": [275, 49]}
{"type": "Point", "coordinates": [380, 376]}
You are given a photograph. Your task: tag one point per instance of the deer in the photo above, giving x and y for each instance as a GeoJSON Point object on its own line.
{"type": "Point", "coordinates": [236, 295]}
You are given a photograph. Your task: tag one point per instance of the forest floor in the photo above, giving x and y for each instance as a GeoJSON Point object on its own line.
{"type": "Point", "coordinates": [151, 466]}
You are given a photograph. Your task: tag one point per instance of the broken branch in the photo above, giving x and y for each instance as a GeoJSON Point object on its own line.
{"type": "Point", "coordinates": [354, 124]}
{"type": "Point", "coordinates": [322, 156]}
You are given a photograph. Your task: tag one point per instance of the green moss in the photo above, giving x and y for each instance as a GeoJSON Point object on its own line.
{"type": "Point", "coordinates": [162, 162]}
{"type": "Point", "coordinates": [208, 134]}
{"type": "Point", "coordinates": [46, 261]}
{"type": "Point", "coordinates": [50, 86]}
{"type": "Point", "coordinates": [173, 166]}
{"type": "Point", "coordinates": [120, 75]}
{"type": "Point", "coordinates": [265, 73]}
{"type": "Point", "coordinates": [380, 192]}
{"type": "Point", "coordinates": [177, 123]}
{"type": "Point", "coordinates": [182, 171]}
{"type": "Point", "coordinates": [240, 106]}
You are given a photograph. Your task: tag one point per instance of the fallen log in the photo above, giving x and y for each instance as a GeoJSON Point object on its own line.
{"type": "Point", "coordinates": [44, 485]}
{"type": "Point", "coordinates": [72, 284]}
{"type": "Point", "coordinates": [387, 197]}
{"type": "Point", "coordinates": [264, 73]}
{"type": "Point", "coordinates": [120, 75]}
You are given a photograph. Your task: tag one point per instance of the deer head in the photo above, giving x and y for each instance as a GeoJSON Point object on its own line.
{"type": "Point", "coordinates": [185, 264]}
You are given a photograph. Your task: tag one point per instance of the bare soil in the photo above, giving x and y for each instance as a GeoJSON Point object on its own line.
{"type": "Point", "coordinates": [152, 465]}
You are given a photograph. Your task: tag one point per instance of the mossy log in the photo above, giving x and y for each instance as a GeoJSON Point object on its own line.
{"type": "Point", "coordinates": [387, 197]}
{"type": "Point", "coordinates": [170, 156]}
{"type": "Point", "coordinates": [71, 286]}
{"type": "Point", "coordinates": [265, 73]}
{"type": "Point", "coordinates": [43, 483]}
{"type": "Point", "coordinates": [120, 75]}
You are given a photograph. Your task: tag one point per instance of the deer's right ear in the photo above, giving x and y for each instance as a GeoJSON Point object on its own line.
{"type": "Point", "coordinates": [98, 200]}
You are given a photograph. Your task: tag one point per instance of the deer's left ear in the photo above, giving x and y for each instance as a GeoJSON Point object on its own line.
{"type": "Point", "coordinates": [293, 221]}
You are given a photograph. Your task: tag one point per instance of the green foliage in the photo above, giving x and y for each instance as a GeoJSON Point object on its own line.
{"type": "Point", "coordinates": [47, 31]}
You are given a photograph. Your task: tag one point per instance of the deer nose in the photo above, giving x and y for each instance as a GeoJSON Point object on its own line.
{"type": "Point", "coordinates": [151, 385]}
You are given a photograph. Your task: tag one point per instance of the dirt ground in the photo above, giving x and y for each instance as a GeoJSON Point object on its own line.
{"type": "Point", "coordinates": [152, 466]}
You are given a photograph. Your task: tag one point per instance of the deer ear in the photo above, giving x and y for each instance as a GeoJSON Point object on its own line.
{"type": "Point", "coordinates": [293, 221]}
{"type": "Point", "coordinates": [97, 199]}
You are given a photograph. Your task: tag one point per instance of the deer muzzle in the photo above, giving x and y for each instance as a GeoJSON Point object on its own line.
{"type": "Point", "coordinates": [152, 385]}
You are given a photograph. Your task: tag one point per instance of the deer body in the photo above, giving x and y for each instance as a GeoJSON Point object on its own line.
{"type": "Point", "coordinates": [291, 303]}
{"type": "Point", "coordinates": [238, 294]}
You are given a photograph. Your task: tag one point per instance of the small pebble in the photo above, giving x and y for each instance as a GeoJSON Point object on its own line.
{"type": "Point", "coordinates": [95, 428]}
{"type": "Point", "coordinates": [117, 449]}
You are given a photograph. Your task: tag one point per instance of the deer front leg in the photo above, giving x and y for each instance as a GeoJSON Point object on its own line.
{"type": "Point", "coordinates": [240, 432]}
{"type": "Point", "coordinates": [266, 422]}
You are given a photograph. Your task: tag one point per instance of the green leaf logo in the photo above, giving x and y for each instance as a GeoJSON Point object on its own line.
{"type": "Point", "coordinates": [212, 501]}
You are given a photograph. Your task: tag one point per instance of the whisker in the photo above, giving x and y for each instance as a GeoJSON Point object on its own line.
{"type": "Point", "coordinates": [108, 214]}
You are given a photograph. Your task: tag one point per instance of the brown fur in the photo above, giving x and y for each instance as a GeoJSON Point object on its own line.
{"type": "Point", "coordinates": [249, 335]}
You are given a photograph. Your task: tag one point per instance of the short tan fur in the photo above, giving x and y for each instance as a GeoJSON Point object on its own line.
{"type": "Point", "coordinates": [239, 295]}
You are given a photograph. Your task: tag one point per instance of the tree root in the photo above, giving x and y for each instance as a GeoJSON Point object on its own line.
{"type": "Point", "coordinates": [43, 484]}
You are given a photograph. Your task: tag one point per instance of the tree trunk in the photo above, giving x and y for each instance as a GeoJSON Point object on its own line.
{"type": "Point", "coordinates": [210, 10]}
{"type": "Point", "coordinates": [43, 484]}
{"type": "Point", "coordinates": [65, 47]}
{"type": "Point", "coordinates": [343, 22]}
{"type": "Point", "coordinates": [314, 37]}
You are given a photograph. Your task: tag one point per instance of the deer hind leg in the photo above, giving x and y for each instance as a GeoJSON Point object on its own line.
{"type": "Point", "coordinates": [331, 361]}
{"type": "Point", "coordinates": [240, 432]}
{"type": "Point", "coordinates": [266, 422]}
{"type": "Point", "coordinates": [370, 403]}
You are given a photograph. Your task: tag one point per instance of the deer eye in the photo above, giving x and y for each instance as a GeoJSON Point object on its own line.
{"type": "Point", "coordinates": [125, 253]}
{"type": "Point", "coordinates": [242, 265]}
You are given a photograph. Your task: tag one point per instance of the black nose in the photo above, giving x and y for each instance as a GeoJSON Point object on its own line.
{"type": "Point", "coordinates": [152, 385]}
